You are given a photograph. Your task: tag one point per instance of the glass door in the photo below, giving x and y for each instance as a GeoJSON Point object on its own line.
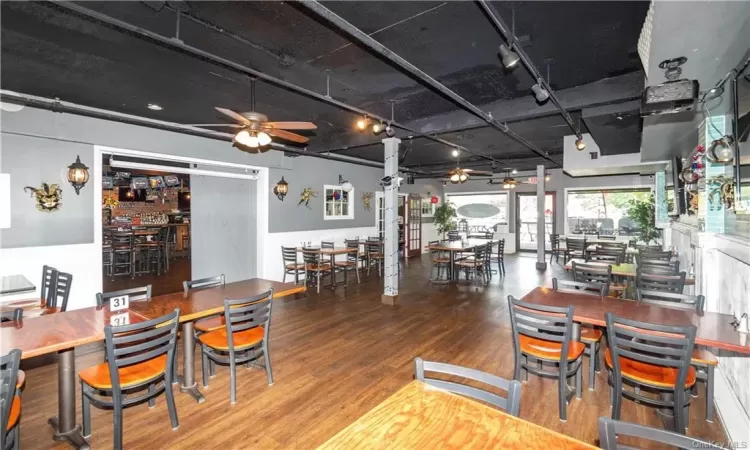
{"type": "Point", "coordinates": [526, 220]}
{"type": "Point", "coordinates": [415, 225]}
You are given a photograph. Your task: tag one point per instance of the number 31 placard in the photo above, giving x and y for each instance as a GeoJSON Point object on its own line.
{"type": "Point", "coordinates": [119, 303]}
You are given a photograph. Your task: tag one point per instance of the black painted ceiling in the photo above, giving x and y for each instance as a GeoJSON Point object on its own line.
{"type": "Point", "coordinates": [53, 53]}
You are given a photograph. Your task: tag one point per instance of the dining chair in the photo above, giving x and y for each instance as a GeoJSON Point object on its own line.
{"type": "Point", "coordinates": [650, 281]}
{"type": "Point", "coordinates": [475, 264]}
{"type": "Point", "coordinates": [557, 249]}
{"type": "Point", "coordinates": [315, 267]}
{"type": "Point", "coordinates": [654, 254]}
{"type": "Point", "coordinates": [609, 429]}
{"type": "Point", "coordinates": [651, 356]}
{"type": "Point", "coordinates": [652, 267]}
{"type": "Point", "coordinates": [48, 279]}
{"type": "Point", "coordinates": [498, 257]}
{"type": "Point", "coordinates": [509, 404]}
{"type": "Point", "coordinates": [591, 336]}
{"type": "Point", "coordinates": [142, 293]}
{"type": "Point", "coordinates": [453, 235]}
{"type": "Point", "coordinates": [632, 243]}
{"type": "Point", "coordinates": [58, 293]}
{"type": "Point", "coordinates": [327, 244]}
{"type": "Point", "coordinates": [576, 248]}
{"type": "Point", "coordinates": [10, 400]}
{"type": "Point", "coordinates": [604, 257]}
{"type": "Point", "coordinates": [593, 273]}
{"type": "Point", "coordinates": [352, 260]}
{"type": "Point", "coordinates": [291, 266]}
{"type": "Point", "coordinates": [243, 340]}
{"type": "Point", "coordinates": [140, 356]}
{"type": "Point", "coordinates": [543, 333]}
{"type": "Point", "coordinates": [703, 359]}
{"type": "Point", "coordinates": [439, 260]}
{"type": "Point", "coordinates": [210, 323]}
{"type": "Point", "coordinates": [374, 252]}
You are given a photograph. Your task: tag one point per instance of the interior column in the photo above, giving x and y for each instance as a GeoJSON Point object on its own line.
{"type": "Point", "coordinates": [390, 240]}
{"type": "Point", "coordinates": [541, 194]}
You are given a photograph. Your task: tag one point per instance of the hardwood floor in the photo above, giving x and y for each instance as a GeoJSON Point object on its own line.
{"type": "Point", "coordinates": [337, 355]}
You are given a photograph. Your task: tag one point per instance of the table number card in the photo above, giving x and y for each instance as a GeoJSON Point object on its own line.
{"type": "Point", "coordinates": [119, 320]}
{"type": "Point", "coordinates": [119, 303]}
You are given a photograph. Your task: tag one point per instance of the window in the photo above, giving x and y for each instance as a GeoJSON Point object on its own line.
{"type": "Point", "coordinates": [602, 211]}
{"type": "Point", "coordinates": [337, 204]}
{"type": "Point", "coordinates": [481, 211]}
{"type": "Point", "coordinates": [428, 208]}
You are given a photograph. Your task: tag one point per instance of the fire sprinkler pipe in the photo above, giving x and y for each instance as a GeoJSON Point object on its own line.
{"type": "Point", "coordinates": [502, 27]}
{"type": "Point", "coordinates": [179, 45]}
{"type": "Point", "coordinates": [340, 23]}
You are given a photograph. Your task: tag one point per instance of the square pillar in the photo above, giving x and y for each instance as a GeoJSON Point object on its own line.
{"type": "Point", "coordinates": [541, 195]}
{"type": "Point", "coordinates": [390, 239]}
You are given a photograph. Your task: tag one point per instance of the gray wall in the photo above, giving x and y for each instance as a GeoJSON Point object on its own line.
{"type": "Point", "coordinates": [557, 184]}
{"type": "Point", "coordinates": [222, 214]}
{"type": "Point", "coordinates": [314, 173]}
{"type": "Point", "coordinates": [32, 161]}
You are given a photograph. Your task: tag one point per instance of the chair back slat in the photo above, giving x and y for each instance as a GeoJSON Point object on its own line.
{"type": "Point", "coordinates": [48, 278]}
{"type": "Point", "coordinates": [512, 387]}
{"type": "Point", "coordinates": [654, 254]}
{"type": "Point", "coordinates": [604, 257]}
{"type": "Point", "coordinates": [575, 244]}
{"type": "Point", "coordinates": [575, 287]}
{"type": "Point", "coordinates": [662, 345]}
{"type": "Point", "coordinates": [609, 430]}
{"type": "Point", "coordinates": [327, 244]}
{"type": "Point", "coordinates": [660, 282]}
{"type": "Point", "coordinates": [134, 295]}
{"type": "Point", "coordinates": [59, 291]}
{"type": "Point", "coordinates": [671, 300]}
{"type": "Point", "coordinates": [136, 343]}
{"type": "Point", "coordinates": [218, 280]}
{"type": "Point", "coordinates": [310, 257]}
{"type": "Point", "coordinates": [592, 273]}
{"type": "Point", "coordinates": [550, 323]}
{"type": "Point", "coordinates": [247, 313]}
{"type": "Point", "coordinates": [289, 255]}
{"type": "Point", "coordinates": [353, 254]}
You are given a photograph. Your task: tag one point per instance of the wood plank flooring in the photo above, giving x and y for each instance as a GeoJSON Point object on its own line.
{"type": "Point", "coordinates": [337, 355]}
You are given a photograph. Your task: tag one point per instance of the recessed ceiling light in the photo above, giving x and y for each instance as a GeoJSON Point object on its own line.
{"type": "Point", "coordinates": [154, 107]}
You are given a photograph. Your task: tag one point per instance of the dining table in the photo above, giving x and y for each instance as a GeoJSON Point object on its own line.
{"type": "Point", "coordinates": [419, 416]}
{"type": "Point", "coordinates": [628, 271]}
{"type": "Point", "coordinates": [453, 247]}
{"type": "Point", "coordinates": [63, 331]}
{"type": "Point", "coordinates": [331, 253]}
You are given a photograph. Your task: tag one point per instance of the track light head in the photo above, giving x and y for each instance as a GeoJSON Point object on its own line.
{"type": "Point", "coordinates": [509, 57]}
{"type": "Point", "coordinates": [580, 145]}
{"type": "Point", "coordinates": [455, 153]}
{"type": "Point", "coordinates": [361, 124]}
{"type": "Point", "coordinates": [377, 128]}
{"type": "Point", "coordinates": [390, 131]}
{"type": "Point", "coordinates": [514, 171]}
{"type": "Point", "coordinates": [540, 93]}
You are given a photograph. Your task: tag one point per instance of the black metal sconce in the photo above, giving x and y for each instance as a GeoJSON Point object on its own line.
{"type": "Point", "coordinates": [281, 189]}
{"type": "Point", "coordinates": [78, 175]}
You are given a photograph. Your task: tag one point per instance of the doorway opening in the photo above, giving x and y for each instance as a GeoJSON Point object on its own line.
{"type": "Point", "coordinates": [526, 221]}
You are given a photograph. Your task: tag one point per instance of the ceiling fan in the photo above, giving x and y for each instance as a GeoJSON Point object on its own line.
{"type": "Point", "coordinates": [255, 129]}
{"type": "Point", "coordinates": [459, 175]}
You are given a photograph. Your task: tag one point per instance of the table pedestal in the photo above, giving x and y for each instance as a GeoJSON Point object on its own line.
{"type": "Point", "coordinates": [64, 423]}
{"type": "Point", "coordinates": [188, 383]}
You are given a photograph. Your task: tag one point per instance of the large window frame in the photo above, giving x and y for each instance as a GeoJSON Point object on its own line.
{"type": "Point", "coordinates": [346, 197]}
{"type": "Point", "coordinates": [567, 190]}
{"type": "Point", "coordinates": [449, 195]}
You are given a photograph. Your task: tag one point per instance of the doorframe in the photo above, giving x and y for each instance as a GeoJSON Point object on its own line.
{"type": "Point", "coordinates": [381, 194]}
{"type": "Point", "coordinates": [518, 216]}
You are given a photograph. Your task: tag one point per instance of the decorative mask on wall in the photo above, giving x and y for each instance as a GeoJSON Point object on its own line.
{"type": "Point", "coordinates": [366, 198]}
{"type": "Point", "coordinates": [306, 196]}
{"type": "Point", "coordinates": [48, 197]}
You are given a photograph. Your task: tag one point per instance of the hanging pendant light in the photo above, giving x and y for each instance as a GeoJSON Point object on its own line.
{"type": "Point", "coordinates": [78, 175]}
{"type": "Point", "coordinates": [509, 57]}
{"type": "Point", "coordinates": [345, 185]}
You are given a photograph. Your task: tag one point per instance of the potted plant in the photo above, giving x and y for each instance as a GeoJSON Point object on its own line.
{"type": "Point", "coordinates": [643, 213]}
{"type": "Point", "coordinates": [445, 218]}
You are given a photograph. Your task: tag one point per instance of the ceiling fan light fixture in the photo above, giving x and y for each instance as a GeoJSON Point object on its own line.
{"type": "Point", "coordinates": [462, 178]}
{"type": "Point", "coordinates": [455, 178]}
{"type": "Point", "coordinates": [509, 57]}
{"type": "Point", "coordinates": [247, 139]}
{"type": "Point", "coordinates": [263, 138]}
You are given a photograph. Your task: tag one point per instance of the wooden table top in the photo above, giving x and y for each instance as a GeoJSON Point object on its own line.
{"type": "Point", "coordinates": [458, 246]}
{"type": "Point", "coordinates": [205, 302]}
{"type": "Point", "coordinates": [626, 270]}
{"type": "Point", "coordinates": [713, 329]}
{"type": "Point", "coordinates": [422, 417]}
{"type": "Point", "coordinates": [53, 332]}
{"type": "Point", "coordinates": [328, 251]}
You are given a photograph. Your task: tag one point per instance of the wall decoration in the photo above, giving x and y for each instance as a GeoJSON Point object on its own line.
{"type": "Point", "coordinates": [171, 180]}
{"type": "Point", "coordinates": [139, 182]}
{"type": "Point", "coordinates": [111, 203]}
{"type": "Point", "coordinates": [78, 175]}
{"type": "Point", "coordinates": [367, 199]}
{"type": "Point", "coordinates": [48, 197]}
{"type": "Point", "coordinates": [306, 196]}
{"type": "Point", "coordinates": [156, 182]}
{"type": "Point", "coordinates": [721, 186]}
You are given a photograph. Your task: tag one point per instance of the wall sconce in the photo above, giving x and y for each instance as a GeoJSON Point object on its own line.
{"type": "Point", "coordinates": [345, 185]}
{"type": "Point", "coordinates": [78, 175]}
{"type": "Point", "coordinates": [281, 189]}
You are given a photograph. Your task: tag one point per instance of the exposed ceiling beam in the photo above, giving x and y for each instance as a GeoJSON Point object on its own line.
{"type": "Point", "coordinates": [435, 85]}
{"type": "Point", "coordinates": [613, 90]}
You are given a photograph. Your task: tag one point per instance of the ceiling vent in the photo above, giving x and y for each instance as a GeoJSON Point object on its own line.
{"type": "Point", "coordinates": [644, 41]}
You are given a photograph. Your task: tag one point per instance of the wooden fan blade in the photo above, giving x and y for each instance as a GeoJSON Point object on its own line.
{"type": "Point", "coordinates": [481, 173]}
{"type": "Point", "coordinates": [233, 115]}
{"type": "Point", "coordinates": [288, 136]}
{"type": "Point", "coordinates": [291, 125]}
{"type": "Point", "coordinates": [230, 125]}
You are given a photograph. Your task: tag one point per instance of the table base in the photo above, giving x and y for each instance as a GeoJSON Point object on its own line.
{"type": "Point", "coordinates": [187, 381]}
{"type": "Point", "coordinates": [74, 437]}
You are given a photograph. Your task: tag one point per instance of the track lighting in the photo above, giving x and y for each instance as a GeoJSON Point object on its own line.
{"type": "Point", "coordinates": [509, 57]}
{"type": "Point", "coordinates": [580, 145]}
{"type": "Point", "coordinates": [455, 153]}
{"type": "Point", "coordinates": [377, 128]}
{"type": "Point", "coordinates": [540, 93]}
{"type": "Point", "coordinates": [514, 171]}
{"type": "Point", "coordinates": [362, 123]}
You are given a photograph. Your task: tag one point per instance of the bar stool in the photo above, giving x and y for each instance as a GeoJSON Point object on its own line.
{"type": "Point", "coordinates": [10, 399]}
{"type": "Point", "coordinates": [124, 253]}
{"type": "Point", "coordinates": [107, 253]}
{"type": "Point", "coordinates": [139, 356]}
{"type": "Point", "coordinates": [243, 339]}
{"type": "Point", "coordinates": [543, 333]}
{"type": "Point", "coordinates": [147, 251]}
{"type": "Point", "coordinates": [654, 357]}
{"type": "Point", "coordinates": [164, 254]}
